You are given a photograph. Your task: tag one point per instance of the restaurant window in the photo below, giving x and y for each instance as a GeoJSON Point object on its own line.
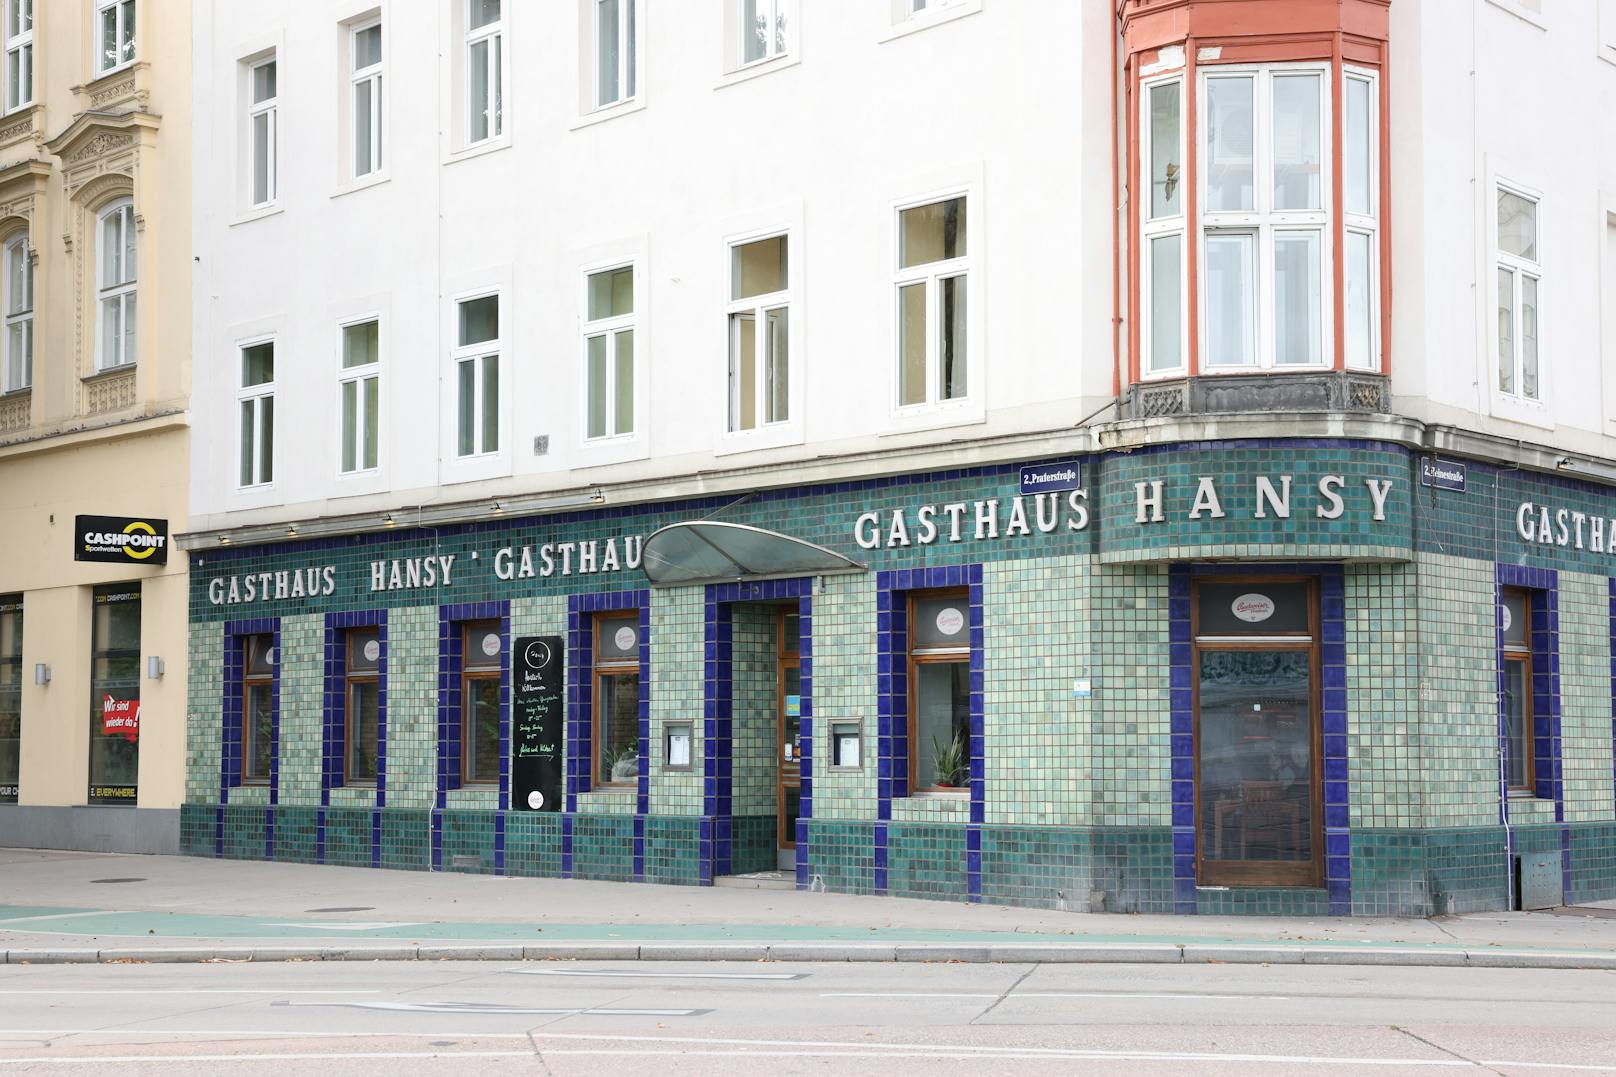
{"type": "Point", "coordinates": [609, 353]}
{"type": "Point", "coordinates": [10, 696]}
{"type": "Point", "coordinates": [257, 707]}
{"type": "Point", "coordinates": [1256, 732]}
{"type": "Point", "coordinates": [617, 676]}
{"type": "Point", "coordinates": [359, 383]}
{"type": "Point", "coordinates": [1519, 275]}
{"type": "Point", "coordinates": [255, 402]}
{"type": "Point", "coordinates": [1515, 620]}
{"type": "Point", "coordinates": [476, 362]}
{"type": "Point", "coordinates": [759, 334]}
{"type": "Point", "coordinates": [115, 694]}
{"type": "Point", "coordinates": [931, 280]}
{"type": "Point", "coordinates": [19, 61]}
{"type": "Point", "coordinates": [18, 268]}
{"type": "Point", "coordinates": [940, 691]}
{"type": "Point", "coordinates": [482, 667]}
{"type": "Point", "coordinates": [361, 705]}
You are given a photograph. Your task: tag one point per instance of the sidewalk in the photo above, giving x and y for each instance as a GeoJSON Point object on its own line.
{"type": "Point", "coordinates": [98, 907]}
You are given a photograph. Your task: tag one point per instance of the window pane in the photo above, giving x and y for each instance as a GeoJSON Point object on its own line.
{"type": "Point", "coordinates": [1298, 332]}
{"type": "Point", "coordinates": [112, 249]}
{"type": "Point", "coordinates": [1164, 150]}
{"type": "Point", "coordinates": [1360, 306]}
{"type": "Point", "coordinates": [932, 233]}
{"type": "Point", "coordinates": [370, 412]}
{"type": "Point", "coordinates": [467, 401]}
{"type": "Point", "coordinates": [754, 30]}
{"type": "Point", "coordinates": [1166, 302]}
{"type": "Point", "coordinates": [126, 229]}
{"type": "Point", "coordinates": [941, 621]}
{"type": "Point", "coordinates": [258, 364]}
{"type": "Point", "coordinates": [368, 47]}
{"type": "Point", "coordinates": [606, 51]}
{"type": "Point", "coordinates": [1516, 618]}
{"type": "Point", "coordinates": [628, 13]}
{"type": "Point", "coordinates": [596, 374]}
{"type": "Point", "coordinates": [127, 50]}
{"type": "Point", "coordinates": [127, 352]}
{"type": "Point", "coordinates": [1517, 225]}
{"type": "Point", "coordinates": [1529, 386]}
{"type": "Point", "coordinates": [13, 78]}
{"type": "Point", "coordinates": [758, 268]}
{"type": "Point", "coordinates": [479, 320]}
{"type": "Point", "coordinates": [1231, 299]}
{"type": "Point", "coordinates": [115, 672]}
{"type": "Point", "coordinates": [483, 12]}
{"type": "Point", "coordinates": [477, 113]}
{"type": "Point", "coordinates": [249, 438]}
{"type": "Point", "coordinates": [261, 137]}
{"type": "Point", "coordinates": [1516, 731]}
{"type": "Point", "coordinates": [266, 439]}
{"type": "Point", "coordinates": [16, 277]}
{"type": "Point", "coordinates": [350, 426]}
{"type": "Point", "coordinates": [1229, 136]}
{"type": "Point", "coordinates": [482, 741]}
{"type": "Point", "coordinates": [362, 128]}
{"type": "Point", "coordinates": [260, 655]}
{"type": "Point", "coordinates": [497, 86]}
{"type": "Point", "coordinates": [482, 648]}
{"type": "Point", "coordinates": [364, 650]}
{"type": "Point", "coordinates": [263, 82]}
{"type": "Point", "coordinates": [619, 747]}
{"type": "Point", "coordinates": [611, 293]}
{"type": "Point", "coordinates": [361, 344]}
{"type": "Point", "coordinates": [1357, 150]}
{"type": "Point", "coordinates": [912, 343]}
{"type": "Point", "coordinates": [1506, 331]}
{"type": "Point", "coordinates": [109, 38]}
{"type": "Point", "coordinates": [490, 430]}
{"type": "Point", "coordinates": [743, 371]}
{"type": "Point", "coordinates": [110, 337]}
{"type": "Point", "coordinates": [259, 733]}
{"type": "Point", "coordinates": [942, 725]}
{"type": "Point", "coordinates": [623, 346]}
{"type": "Point", "coordinates": [777, 392]}
{"type": "Point", "coordinates": [1296, 142]}
{"type": "Point", "coordinates": [1245, 609]}
{"type": "Point", "coordinates": [364, 720]}
{"type": "Point", "coordinates": [618, 638]}
{"type": "Point", "coordinates": [952, 347]}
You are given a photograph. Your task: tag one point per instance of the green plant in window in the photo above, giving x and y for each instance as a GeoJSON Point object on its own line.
{"type": "Point", "coordinates": [622, 765]}
{"type": "Point", "coordinates": [953, 769]}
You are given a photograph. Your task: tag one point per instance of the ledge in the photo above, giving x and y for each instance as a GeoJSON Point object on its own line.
{"type": "Point", "coordinates": [1234, 394]}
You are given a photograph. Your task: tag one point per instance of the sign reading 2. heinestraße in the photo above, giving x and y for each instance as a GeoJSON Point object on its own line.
{"type": "Point", "coordinates": [121, 540]}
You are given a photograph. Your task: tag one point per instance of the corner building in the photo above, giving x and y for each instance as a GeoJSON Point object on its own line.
{"type": "Point", "coordinates": [945, 534]}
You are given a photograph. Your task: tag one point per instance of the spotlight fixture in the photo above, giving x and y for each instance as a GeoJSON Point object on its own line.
{"type": "Point", "coordinates": [224, 540]}
{"type": "Point", "coordinates": [389, 521]}
{"type": "Point", "coordinates": [291, 531]}
{"type": "Point", "coordinates": [498, 508]}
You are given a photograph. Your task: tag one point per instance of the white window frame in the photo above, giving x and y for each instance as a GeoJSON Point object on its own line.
{"type": "Point", "coordinates": [480, 354]}
{"type": "Point", "coordinates": [757, 307]}
{"type": "Point", "coordinates": [123, 293]}
{"type": "Point", "coordinates": [610, 328]}
{"type": "Point", "coordinates": [375, 74]}
{"type": "Point", "coordinates": [773, 47]}
{"type": "Point", "coordinates": [931, 274]}
{"type": "Point", "coordinates": [1150, 229]}
{"type": "Point", "coordinates": [627, 85]}
{"type": "Point", "coordinates": [255, 396]}
{"type": "Point", "coordinates": [18, 372]}
{"type": "Point", "coordinates": [123, 34]}
{"type": "Point", "coordinates": [1359, 224]}
{"type": "Point", "coordinates": [495, 89]}
{"type": "Point", "coordinates": [19, 48]}
{"type": "Point", "coordinates": [1262, 221]}
{"type": "Point", "coordinates": [358, 376]}
{"type": "Point", "coordinates": [269, 108]}
{"type": "Point", "coordinates": [1519, 268]}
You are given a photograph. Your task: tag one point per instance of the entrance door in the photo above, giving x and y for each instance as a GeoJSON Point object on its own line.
{"type": "Point", "coordinates": [1258, 791]}
{"type": "Point", "coordinates": [788, 660]}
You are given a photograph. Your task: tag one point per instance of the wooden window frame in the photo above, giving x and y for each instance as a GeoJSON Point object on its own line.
{"type": "Point", "coordinates": [600, 669]}
{"type": "Point", "coordinates": [1522, 653]}
{"type": "Point", "coordinates": [470, 674]}
{"type": "Point", "coordinates": [351, 679]}
{"type": "Point", "coordinates": [787, 775]}
{"type": "Point", "coordinates": [1263, 873]}
{"type": "Point", "coordinates": [918, 657]}
{"type": "Point", "coordinates": [250, 681]}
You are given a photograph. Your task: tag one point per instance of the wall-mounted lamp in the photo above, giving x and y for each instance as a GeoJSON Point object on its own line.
{"type": "Point", "coordinates": [154, 668]}
{"type": "Point", "coordinates": [291, 531]}
{"type": "Point", "coordinates": [389, 521]}
{"type": "Point", "coordinates": [498, 508]}
{"type": "Point", "coordinates": [224, 540]}
{"type": "Point", "coordinates": [41, 674]}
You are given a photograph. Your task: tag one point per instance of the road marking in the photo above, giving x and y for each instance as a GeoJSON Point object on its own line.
{"type": "Point", "coordinates": [1046, 994]}
{"type": "Point", "coordinates": [59, 916]}
{"type": "Point", "coordinates": [101, 1060]}
{"type": "Point", "coordinates": [327, 925]}
{"type": "Point", "coordinates": [494, 1008]}
{"type": "Point", "coordinates": [200, 991]}
{"type": "Point", "coordinates": [666, 975]}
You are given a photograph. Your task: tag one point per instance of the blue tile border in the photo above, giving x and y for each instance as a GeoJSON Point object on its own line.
{"type": "Point", "coordinates": [581, 610]}
{"type": "Point", "coordinates": [1548, 777]}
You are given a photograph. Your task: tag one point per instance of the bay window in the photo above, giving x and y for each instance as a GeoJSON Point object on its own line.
{"type": "Point", "coordinates": [1519, 272]}
{"type": "Point", "coordinates": [19, 60]}
{"type": "Point", "coordinates": [1163, 217]}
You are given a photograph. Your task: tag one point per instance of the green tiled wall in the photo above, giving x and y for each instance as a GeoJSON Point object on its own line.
{"type": "Point", "coordinates": [412, 707]}
{"type": "Point", "coordinates": [677, 635]}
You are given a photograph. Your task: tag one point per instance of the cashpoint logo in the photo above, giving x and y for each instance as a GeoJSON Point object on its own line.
{"type": "Point", "coordinates": [122, 539]}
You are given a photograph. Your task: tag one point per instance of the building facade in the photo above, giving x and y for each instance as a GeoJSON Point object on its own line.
{"type": "Point", "coordinates": [95, 176]}
{"type": "Point", "coordinates": [922, 527]}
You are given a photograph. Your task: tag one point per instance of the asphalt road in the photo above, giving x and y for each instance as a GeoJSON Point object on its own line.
{"type": "Point", "coordinates": [628, 1018]}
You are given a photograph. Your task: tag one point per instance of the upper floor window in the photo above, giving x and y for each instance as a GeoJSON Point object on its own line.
{"type": "Point", "coordinates": [256, 407]}
{"type": "Point", "coordinates": [476, 360]}
{"type": "Point", "coordinates": [262, 130]}
{"type": "Point", "coordinates": [763, 30]}
{"type": "Point", "coordinates": [115, 254]}
{"type": "Point", "coordinates": [922, 7]}
{"type": "Point", "coordinates": [931, 278]}
{"type": "Point", "coordinates": [359, 384]}
{"type": "Point", "coordinates": [609, 353]}
{"type": "Point", "coordinates": [759, 334]}
{"type": "Point", "coordinates": [115, 34]}
{"type": "Point", "coordinates": [485, 70]}
{"type": "Point", "coordinates": [19, 61]}
{"type": "Point", "coordinates": [18, 269]}
{"type": "Point", "coordinates": [615, 51]}
{"type": "Point", "coordinates": [366, 98]}
{"type": "Point", "coordinates": [1519, 271]}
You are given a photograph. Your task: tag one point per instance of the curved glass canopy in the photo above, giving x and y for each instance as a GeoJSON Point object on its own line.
{"type": "Point", "coordinates": [707, 551]}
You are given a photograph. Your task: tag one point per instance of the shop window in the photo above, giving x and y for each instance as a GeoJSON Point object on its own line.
{"type": "Point", "coordinates": [365, 97]}
{"type": "Point", "coordinates": [482, 669]}
{"type": "Point", "coordinates": [115, 694]}
{"type": "Point", "coordinates": [10, 696]}
{"type": "Point", "coordinates": [940, 691]}
{"type": "Point", "coordinates": [19, 59]}
{"type": "Point", "coordinates": [931, 283]}
{"type": "Point", "coordinates": [617, 676]}
{"type": "Point", "coordinates": [255, 404]}
{"type": "Point", "coordinates": [609, 353]}
{"type": "Point", "coordinates": [361, 705]}
{"type": "Point", "coordinates": [615, 51]}
{"type": "Point", "coordinates": [1519, 276]}
{"type": "Point", "coordinates": [476, 361]}
{"type": "Point", "coordinates": [115, 254]}
{"type": "Point", "coordinates": [1515, 620]}
{"type": "Point", "coordinates": [359, 385]}
{"type": "Point", "coordinates": [115, 34]}
{"type": "Point", "coordinates": [18, 287]}
{"type": "Point", "coordinates": [257, 707]}
{"type": "Point", "coordinates": [485, 70]}
{"type": "Point", "coordinates": [759, 334]}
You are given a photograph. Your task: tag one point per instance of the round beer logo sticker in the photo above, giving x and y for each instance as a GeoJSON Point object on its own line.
{"type": "Point", "coordinates": [950, 621]}
{"type": "Point", "coordinates": [625, 638]}
{"type": "Point", "coordinates": [373, 650]}
{"type": "Point", "coordinates": [491, 644]}
{"type": "Point", "coordinates": [1505, 618]}
{"type": "Point", "coordinates": [1253, 607]}
{"type": "Point", "coordinates": [535, 800]}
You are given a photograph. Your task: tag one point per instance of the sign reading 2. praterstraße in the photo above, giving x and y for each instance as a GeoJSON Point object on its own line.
{"type": "Point", "coordinates": [121, 540]}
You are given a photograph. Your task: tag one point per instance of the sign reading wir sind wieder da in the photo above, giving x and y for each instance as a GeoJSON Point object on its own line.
{"type": "Point", "coordinates": [120, 540]}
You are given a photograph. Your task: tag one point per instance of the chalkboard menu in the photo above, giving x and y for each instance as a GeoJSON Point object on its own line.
{"type": "Point", "coordinates": [538, 713]}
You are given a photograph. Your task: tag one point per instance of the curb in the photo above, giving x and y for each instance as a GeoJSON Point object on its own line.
{"type": "Point", "coordinates": [964, 953]}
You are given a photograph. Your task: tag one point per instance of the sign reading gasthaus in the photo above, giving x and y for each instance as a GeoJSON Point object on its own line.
{"type": "Point", "coordinates": [120, 540]}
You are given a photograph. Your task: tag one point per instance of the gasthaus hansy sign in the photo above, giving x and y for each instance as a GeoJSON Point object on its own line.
{"type": "Point", "coordinates": [121, 540]}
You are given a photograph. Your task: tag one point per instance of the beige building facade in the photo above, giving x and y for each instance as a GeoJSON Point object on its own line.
{"type": "Point", "coordinates": [95, 271]}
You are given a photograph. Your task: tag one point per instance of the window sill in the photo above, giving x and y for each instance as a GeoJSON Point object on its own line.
{"type": "Point", "coordinates": [19, 391]}
{"type": "Point", "coordinates": [940, 794]}
{"type": "Point", "coordinates": [603, 452]}
{"type": "Point", "coordinates": [1531, 17]}
{"type": "Point", "coordinates": [758, 68]}
{"type": "Point", "coordinates": [107, 373]}
{"type": "Point", "coordinates": [773, 436]}
{"type": "Point", "coordinates": [375, 179]}
{"type": "Point", "coordinates": [257, 214]}
{"type": "Point", "coordinates": [478, 149]}
{"type": "Point", "coordinates": [1528, 412]}
{"type": "Point", "coordinates": [608, 112]}
{"type": "Point", "coordinates": [915, 24]}
{"type": "Point", "coordinates": [923, 417]}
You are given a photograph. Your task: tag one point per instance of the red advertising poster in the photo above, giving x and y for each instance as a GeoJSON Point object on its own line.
{"type": "Point", "coordinates": [120, 716]}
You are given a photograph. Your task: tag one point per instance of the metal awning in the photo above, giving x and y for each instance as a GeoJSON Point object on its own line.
{"type": "Point", "coordinates": [707, 551]}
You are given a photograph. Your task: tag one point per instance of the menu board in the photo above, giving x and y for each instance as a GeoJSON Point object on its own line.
{"type": "Point", "coordinates": [538, 716]}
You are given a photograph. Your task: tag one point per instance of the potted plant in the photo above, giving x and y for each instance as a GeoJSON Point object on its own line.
{"type": "Point", "coordinates": [623, 765]}
{"type": "Point", "coordinates": [949, 759]}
